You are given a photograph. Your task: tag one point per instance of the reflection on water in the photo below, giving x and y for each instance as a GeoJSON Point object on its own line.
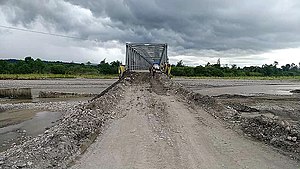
{"type": "Point", "coordinates": [12, 134]}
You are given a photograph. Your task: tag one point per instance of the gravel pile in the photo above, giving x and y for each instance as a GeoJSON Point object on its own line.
{"type": "Point", "coordinates": [58, 146]}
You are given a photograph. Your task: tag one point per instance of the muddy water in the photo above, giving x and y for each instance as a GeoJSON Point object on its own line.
{"type": "Point", "coordinates": [215, 87]}
{"type": "Point", "coordinates": [14, 134]}
{"type": "Point", "coordinates": [251, 90]}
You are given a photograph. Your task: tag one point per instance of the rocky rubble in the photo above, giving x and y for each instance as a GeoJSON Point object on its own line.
{"type": "Point", "coordinates": [60, 144]}
{"type": "Point", "coordinates": [278, 133]}
{"type": "Point", "coordinates": [262, 125]}
{"type": "Point", "coordinates": [266, 127]}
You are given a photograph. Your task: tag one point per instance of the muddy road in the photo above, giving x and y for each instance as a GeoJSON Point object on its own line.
{"type": "Point", "coordinates": [158, 128]}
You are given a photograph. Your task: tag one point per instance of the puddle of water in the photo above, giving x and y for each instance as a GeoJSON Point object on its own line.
{"type": "Point", "coordinates": [12, 134]}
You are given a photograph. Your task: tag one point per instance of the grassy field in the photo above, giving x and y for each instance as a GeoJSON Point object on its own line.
{"type": "Point", "coordinates": [246, 77]}
{"type": "Point", "coordinates": [53, 76]}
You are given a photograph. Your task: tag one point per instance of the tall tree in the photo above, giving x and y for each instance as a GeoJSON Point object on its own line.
{"type": "Point", "coordinates": [180, 64]}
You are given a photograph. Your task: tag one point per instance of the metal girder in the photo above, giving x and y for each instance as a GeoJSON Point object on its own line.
{"type": "Point", "coordinates": [140, 56]}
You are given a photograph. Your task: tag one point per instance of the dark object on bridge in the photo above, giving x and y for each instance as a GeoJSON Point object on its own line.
{"type": "Point", "coordinates": [16, 93]}
{"type": "Point", "coordinates": [140, 56]}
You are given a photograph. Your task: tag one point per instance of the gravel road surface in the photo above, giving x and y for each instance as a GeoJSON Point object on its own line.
{"type": "Point", "coordinates": [159, 129]}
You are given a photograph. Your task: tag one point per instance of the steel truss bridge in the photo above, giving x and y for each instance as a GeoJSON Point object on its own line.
{"type": "Point", "coordinates": [140, 56]}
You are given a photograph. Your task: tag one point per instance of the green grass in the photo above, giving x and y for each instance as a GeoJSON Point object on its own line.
{"type": "Point", "coordinates": [245, 77]}
{"type": "Point", "coordinates": [54, 76]}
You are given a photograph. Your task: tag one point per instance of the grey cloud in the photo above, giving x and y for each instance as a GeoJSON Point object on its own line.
{"type": "Point", "coordinates": [192, 25]}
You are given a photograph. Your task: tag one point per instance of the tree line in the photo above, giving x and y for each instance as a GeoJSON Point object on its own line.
{"type": "Point", "coordinates": [37, 66]}
{"type": "Point", "coordinates": [216, 70]}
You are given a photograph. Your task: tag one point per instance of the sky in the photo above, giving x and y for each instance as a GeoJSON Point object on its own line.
{"type": "Point", "coordinates": [240, 32]}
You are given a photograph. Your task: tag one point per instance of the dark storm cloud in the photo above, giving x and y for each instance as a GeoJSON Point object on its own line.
{"type": "Point", "coordinates": [218, 25]}
{"type": "Point", "coordinates": [186, 25]}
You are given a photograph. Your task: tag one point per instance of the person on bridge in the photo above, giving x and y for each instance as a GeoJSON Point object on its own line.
{"type": "Point", "coordinates": [169, 70]}
{"type": "Point", "coordinates": [152, 71]}
{"type": "Point", "coordinates": [165, 68]}
{"type": "Point", "coordinates": [121, 71]}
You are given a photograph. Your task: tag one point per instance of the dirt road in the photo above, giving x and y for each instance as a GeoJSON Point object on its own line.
{"type": "Point", "coordinates": [157, 129]}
